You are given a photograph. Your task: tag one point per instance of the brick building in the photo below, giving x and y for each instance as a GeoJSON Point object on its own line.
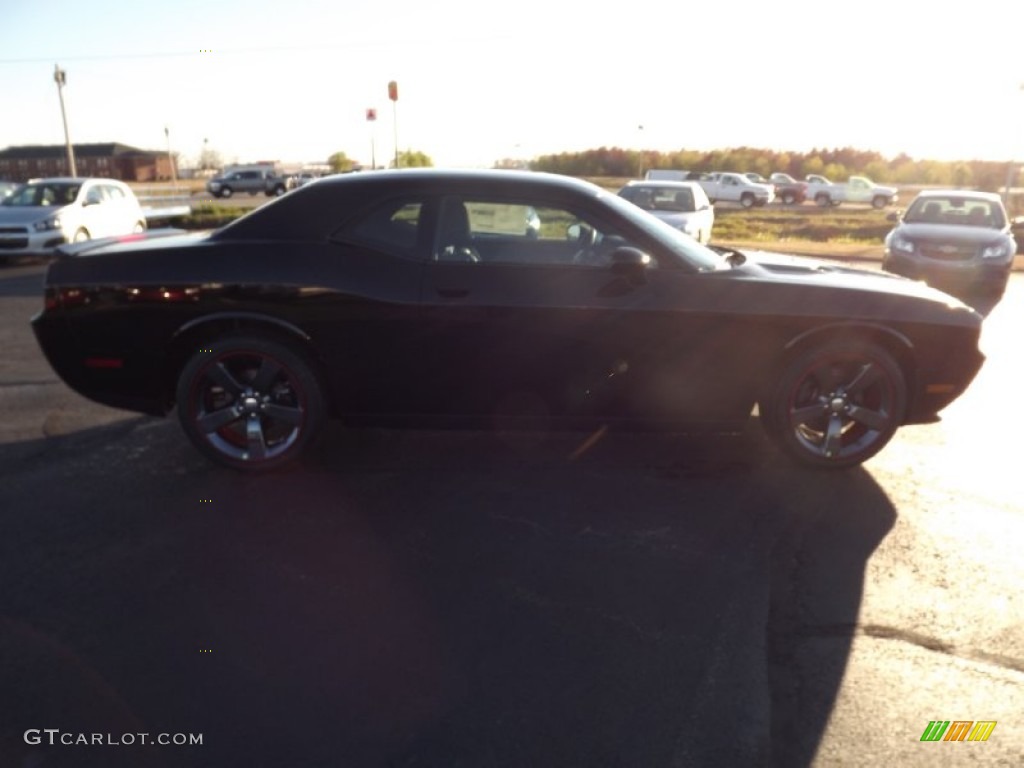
{"type": "Point", "coordinates": [111, 161]}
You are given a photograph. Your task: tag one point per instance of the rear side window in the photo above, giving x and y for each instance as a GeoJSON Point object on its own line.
{"type": "Point", "coordinates": [393, 227]}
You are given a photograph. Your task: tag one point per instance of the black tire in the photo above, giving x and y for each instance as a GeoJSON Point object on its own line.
{"type": "Point", "coordinates": [837, 404]}
{"type": "Point", "coordinates": [250, 403]}
{"type": "Point", "coordinates": [788, 198]}
{"type": "Point", "coordinates": [225, 192]}
{"type": "Point", "coordinates": [823, 200]}
{"type": "Point", "coordinates": [747, 200]}
{"type": "Point", "coordinates": [879, 202]}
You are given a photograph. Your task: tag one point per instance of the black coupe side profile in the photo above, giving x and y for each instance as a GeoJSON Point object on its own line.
{"type": "Point", "coordinates": [473, 298]}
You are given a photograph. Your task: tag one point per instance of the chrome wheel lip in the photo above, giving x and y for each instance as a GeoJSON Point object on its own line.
{"type": "Point", "coordinates": [247, 429]}
{"type": "Point", "coordinates": [838, 424]}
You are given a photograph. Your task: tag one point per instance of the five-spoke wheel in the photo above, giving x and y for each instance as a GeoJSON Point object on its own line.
{"type": "Point", "coordinates": [250, 403]}
{"type": "Point", "coordinates": [837, 404]}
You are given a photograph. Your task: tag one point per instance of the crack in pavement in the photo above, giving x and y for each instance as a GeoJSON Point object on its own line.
{"type": "Point", "coordinates": [910, 637]}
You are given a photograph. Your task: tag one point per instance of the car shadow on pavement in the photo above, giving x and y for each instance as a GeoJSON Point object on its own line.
{"type": "Point", "coordinates": [441, 599]}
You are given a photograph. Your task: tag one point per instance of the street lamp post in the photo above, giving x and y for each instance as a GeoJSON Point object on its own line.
{"type": "Point", "coordinates": [170, 157]}
{"type": "Point", "coordinates": [60, 77]}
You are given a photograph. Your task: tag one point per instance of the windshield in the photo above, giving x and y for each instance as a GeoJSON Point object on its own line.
{"type": "Point", "coordinates": [43, 194]}
{"type": "Point", "coordinates": [681, 244]}
{"type": "Point", "coordinates": [956, 210]}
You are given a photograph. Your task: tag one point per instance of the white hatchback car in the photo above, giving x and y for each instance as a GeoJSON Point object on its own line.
{"type": "Point", "coordinates": [45, 213]}
{"type": "Point", "coordinates": [683, 204]}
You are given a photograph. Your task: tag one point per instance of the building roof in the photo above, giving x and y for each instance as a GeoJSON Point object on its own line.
{"type": "Point", "coordinates": [105, 149]}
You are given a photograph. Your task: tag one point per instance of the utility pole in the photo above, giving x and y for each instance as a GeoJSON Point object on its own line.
{"type": "Point", "coordinates": [393, 95]}
{"type": "Point", "coordinates": [61, 78]}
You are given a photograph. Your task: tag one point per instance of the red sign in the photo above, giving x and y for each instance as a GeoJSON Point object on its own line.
{"type": "Point", "coordinates": [371, 114]}
{"type": "Point", "coordinates": [393, 90]}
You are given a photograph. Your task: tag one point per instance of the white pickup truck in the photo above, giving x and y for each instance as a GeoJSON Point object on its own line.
{"type": "Point", "coordinates": [859, 189]}
{"type": "Point", "coordinates": [737, 188]}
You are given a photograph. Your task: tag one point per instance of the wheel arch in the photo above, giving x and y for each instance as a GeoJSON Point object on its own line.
{"type": "Point", "coordinates": [889, 339]}
{"type": "Point", "coordinates": [203, 330]}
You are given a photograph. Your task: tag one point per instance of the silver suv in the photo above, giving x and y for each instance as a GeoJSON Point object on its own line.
{"type": "Point", "coordinates": [254, 182]}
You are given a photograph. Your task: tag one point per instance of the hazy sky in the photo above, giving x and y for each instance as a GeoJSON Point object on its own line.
{"type": "Point", "coordinates": [291, 80]}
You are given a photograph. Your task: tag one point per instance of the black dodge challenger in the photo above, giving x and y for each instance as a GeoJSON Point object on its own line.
{"type": "Point", "coordinates": [450, 298]}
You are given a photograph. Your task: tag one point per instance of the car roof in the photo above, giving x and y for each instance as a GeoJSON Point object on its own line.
{"type": "Point", "coordinates": [970, 193]}
{"type": "Point", "coordinates": [456, 176]}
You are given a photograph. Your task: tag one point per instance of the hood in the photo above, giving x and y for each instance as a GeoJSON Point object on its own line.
{"type": "Point", "coordinates": [948, 233]}
{"type": "Point", "coordinates": [832, 274]}
{"type": "Point", "coordinates": [27, 214]}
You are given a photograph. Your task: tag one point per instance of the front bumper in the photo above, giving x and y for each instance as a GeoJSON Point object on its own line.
{"type": "Point", "coordinates": [24, 241]}
{"type": "Point", "coordinates": [967, 274]}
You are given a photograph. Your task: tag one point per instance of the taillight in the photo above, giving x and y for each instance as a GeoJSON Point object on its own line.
{"type": "Point", "coordinates": [50, 299]}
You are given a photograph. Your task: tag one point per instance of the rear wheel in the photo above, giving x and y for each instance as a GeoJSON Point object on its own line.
{"type": "Point", "coordinates": [837, 404]}
{"type": "Point", "coordinates": [788, 198]}
{"type": "Point", "coordinates": [747, 200]}
{"type": "Point", "coordinates": [250, 403]}
{"type": "Point", "coordinates": [879, 202]}
{"type": "Point", "coordinates": [823, 200]}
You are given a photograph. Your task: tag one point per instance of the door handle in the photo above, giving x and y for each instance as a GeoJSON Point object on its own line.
{"type": "Point", "coordinates": [453, 293]}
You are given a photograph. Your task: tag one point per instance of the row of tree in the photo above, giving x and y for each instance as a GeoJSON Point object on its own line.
{"type": "Point", "coordinates": [836, 164]}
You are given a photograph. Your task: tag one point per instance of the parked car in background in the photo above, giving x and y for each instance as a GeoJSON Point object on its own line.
{"type": "Point", "coordinates": [957, 240]}
{"type": "Point", "coordinates": [788, 190]}
{"type": "Point", "coordinates": [859, 189]}
{"type": "Point", "coordinates": [302, 178]}
{"type": "Point", "coordinates": [601, 316]}
{"type": "Point", "coordinates": [737, 188]}
{"type": "Point", "coordinates": [254, 181]}
{"type": "Point", "coordinates": [681, 204]}
{"type": "Point", "coordinates": [1017, 230]}
{"type": "Point", "coordinates": [7, 187]}
{"type": "Point", "coordinates": [44, 213]}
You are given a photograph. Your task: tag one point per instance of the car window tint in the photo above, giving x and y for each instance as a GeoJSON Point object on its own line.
{"type": "Point", "coordinates": [392, 227]}
{"type": "Point", "coordinates": [501, 233]}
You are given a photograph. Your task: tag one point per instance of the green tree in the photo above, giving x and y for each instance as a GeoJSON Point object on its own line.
{"type": "Point", "coordinates": [414, 159]}
{"type": "Point", "coordinates": [340, 162]}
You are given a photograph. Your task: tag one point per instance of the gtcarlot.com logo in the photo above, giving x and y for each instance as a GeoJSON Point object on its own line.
{"type": "Point", "coordinates": [54, 736]}
{"type": "Point", "coordinates": [961, 730]}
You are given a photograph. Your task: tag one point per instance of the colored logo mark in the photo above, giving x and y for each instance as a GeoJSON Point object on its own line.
{"type": "Point", "coordinates": [958, 730]}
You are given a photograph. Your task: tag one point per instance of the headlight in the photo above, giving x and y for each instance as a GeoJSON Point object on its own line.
{"type": "Point", "coordinates": [50, 222]}
{"type": "Point", "coordinates": [900, 243]}
{"type": "Point", "coordinates": [997, 251]}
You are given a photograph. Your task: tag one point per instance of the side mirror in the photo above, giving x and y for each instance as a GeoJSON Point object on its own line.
{"type": "Point", "coordinates": [630, 263]}
{"type": "Point", "coordinates": [580, 234]}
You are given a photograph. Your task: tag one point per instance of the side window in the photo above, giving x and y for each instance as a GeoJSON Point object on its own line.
{"type": "Point", "coordinates": [94, 195]}
{"type": "Point", "coordinates": [481, 231]}
{"type": "Point", "coordinates": [113, 193]}
{"type": "Point", "coordinates": [393, 227]}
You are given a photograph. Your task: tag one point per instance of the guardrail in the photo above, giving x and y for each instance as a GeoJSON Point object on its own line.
{"type": "Point", "coordinates": [163, 201]}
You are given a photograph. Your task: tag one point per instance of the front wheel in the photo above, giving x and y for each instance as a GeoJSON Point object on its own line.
{"type": "Point", "coordinates": [250, 403]}
{"type": "Point", "coordinates": [788, 198]}
{"type": "Point", "coordinates": [747, 200]}
{"type": "Point", "coordinates": [837, 404]}
{"type": "Point", "coordinates": [226, 192]}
